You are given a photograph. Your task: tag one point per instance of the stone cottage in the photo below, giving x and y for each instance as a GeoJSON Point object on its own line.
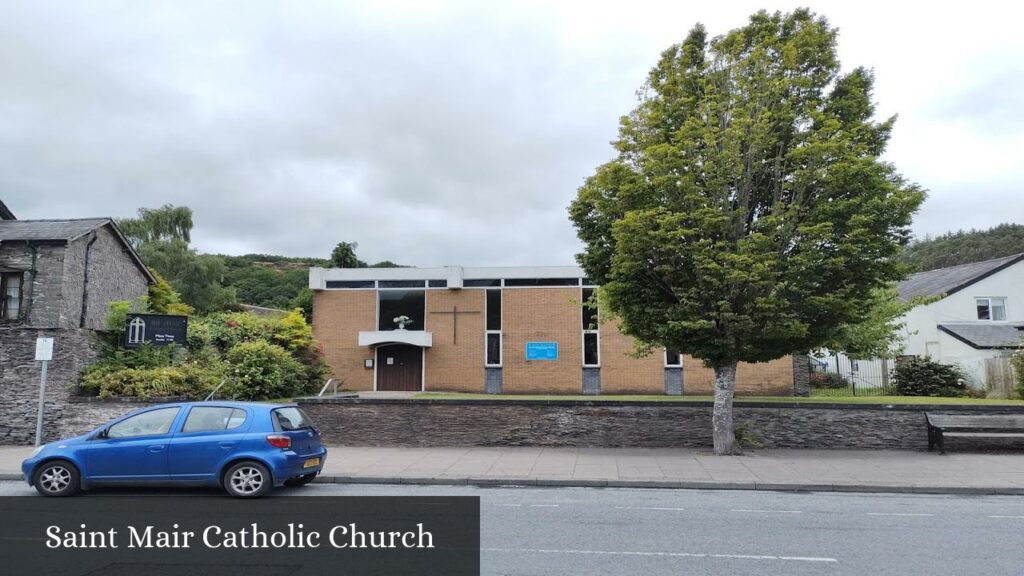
{"type": "Point", "coordinates": [56, 279]}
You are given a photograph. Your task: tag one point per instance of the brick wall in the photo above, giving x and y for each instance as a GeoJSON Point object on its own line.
{"type": "Point", "coordinates": [366, 422]}
{"type": "Point", "coordinates": [622, 373]}
{"type": "Point", "coordinates": [542, 315]}
{"type": "Point", "coordinates": [338, 317]}
{"type": "Point", "coordinates": [456, 360]}
{"type": "Point", "coordinates": [773, 378]}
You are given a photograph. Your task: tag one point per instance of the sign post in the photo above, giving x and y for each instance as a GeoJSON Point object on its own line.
{"type": "Point", "coordinates": [44, 353]}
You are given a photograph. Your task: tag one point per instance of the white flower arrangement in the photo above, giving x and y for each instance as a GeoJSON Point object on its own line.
{"type": "Point", "coordinates": [402, 321]}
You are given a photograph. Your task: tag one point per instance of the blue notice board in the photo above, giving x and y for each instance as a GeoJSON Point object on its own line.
{"type": "Point", "coordinates": [542, 350]}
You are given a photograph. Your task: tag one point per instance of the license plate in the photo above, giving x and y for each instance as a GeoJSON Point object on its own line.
{"type": "Point", "coordinates": [311, 463]}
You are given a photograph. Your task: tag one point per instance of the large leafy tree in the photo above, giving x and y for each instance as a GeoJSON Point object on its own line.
{"type": "Point", "coordinates": [167, 222]}
{"type": "Point", "coordinates": [747, 214]}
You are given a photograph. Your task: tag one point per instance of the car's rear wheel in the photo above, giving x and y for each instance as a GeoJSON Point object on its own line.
{"type": "Point", "coordinates": [301, 480]}
{"type": "Point", "coordinates": [248, 479]}
{"type": "Point", "coordinates": [57, 478]}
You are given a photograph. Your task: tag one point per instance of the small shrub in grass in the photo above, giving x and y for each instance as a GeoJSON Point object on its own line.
{"type": "Point", "coordinates": [925, 377]}
{"type": "Point", "coordinates": [828, 380]}
{"type": "Point", "coordinates": [261, 370]}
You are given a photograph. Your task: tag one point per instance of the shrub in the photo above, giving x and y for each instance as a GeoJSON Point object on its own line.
{"type": "Point", "coordinates": [1017, 362]}
{"type": "Point", "coordinates": [230, 329]}
{"type": "Point", "coordinates": [828, 380]}
{"type": "Point", "coordinates": [187, 381]}
{"type": "Point", "coordinates": [260, 370]}
{"type": "Point", "coordinates": [292, 332]}
{"type": "Point", "coordinates": [925, 377]}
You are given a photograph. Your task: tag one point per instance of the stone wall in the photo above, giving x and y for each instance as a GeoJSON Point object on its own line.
{"type": "Point", "coordinates": [113, 275]}
{"type": "Point", "coordinates": [19, 379]}
{"type": "Point", "coordinates": [380, 422]}
{"type": "Point", "coordinates": [86, 414]}
{"type": "Point", "coordinates": [41, 292]}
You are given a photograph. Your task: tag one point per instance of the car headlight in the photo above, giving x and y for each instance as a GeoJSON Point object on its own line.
{"type": "Point", "coordinates": [37, 451]}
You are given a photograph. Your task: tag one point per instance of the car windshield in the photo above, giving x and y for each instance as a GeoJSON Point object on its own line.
{"type": "Point", "coordinates": [291, 418]}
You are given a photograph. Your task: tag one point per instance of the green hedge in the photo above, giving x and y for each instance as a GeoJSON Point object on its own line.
{"type": "Point", "coordinates": [184, 380]}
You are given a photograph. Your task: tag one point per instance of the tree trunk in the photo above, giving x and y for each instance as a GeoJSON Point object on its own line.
{"type": "Point", "coordinates": [721, 418]}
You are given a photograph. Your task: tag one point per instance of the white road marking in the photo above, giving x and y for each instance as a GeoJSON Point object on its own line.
{"type": "Point", "coordinates": [896, 514]}
{"type": "Point", "coordinates": [512, 505]}
{"type": "Point", "coordinates": [543, 505]}
{"type": "Point", "coordinates": [647, 508]}
{"type": "Point", "coordinates": [665, 554]}
{"type": "Point", "coordinates": [1006, 516]}
{"type": "Point", "coordinates": [772, 511]}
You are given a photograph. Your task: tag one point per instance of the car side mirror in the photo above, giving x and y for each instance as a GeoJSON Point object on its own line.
{"type": "Point", "coordinates": [101, 433]}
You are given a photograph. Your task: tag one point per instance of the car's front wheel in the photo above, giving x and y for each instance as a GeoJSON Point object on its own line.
{"type": "Point", "coordinates": [301, 480]}
{"type": "Point", "coordinates": [57, 478]}
{"type": "Point", "coordinates": [248, 479]}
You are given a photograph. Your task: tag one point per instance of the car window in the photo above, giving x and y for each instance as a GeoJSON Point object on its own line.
{"type": "Point", "coordinates": [206, 418]}
{"type": "Point", "coordinates": [150, 423]}
{"type": "Point", "coordinates": [291, 418]}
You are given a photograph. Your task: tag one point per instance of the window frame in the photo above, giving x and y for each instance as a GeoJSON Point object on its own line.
{"type": "Point", "coordinates": [488, 332]}
{"type": "Point", "coordinates": [988, 300]}
{"type": "Point", "coordinates": [170, 426]}
{"type": "Point", "coordinates": [377, 296]}
{"type": "Point", "coordinates": [4, 279]}
{"type": "Point", "coordinates": [227, 428]}
{"type": "Point", "coordinates": [665, 358]}
{"type": "Point", "coordinates": [586, 330]}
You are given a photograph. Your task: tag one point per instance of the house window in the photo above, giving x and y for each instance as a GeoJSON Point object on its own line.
{"type": "Point", "coordinates": [673, 359]}
{"type": "Point", "coordinates": [493, 329]}
{"type": "Point", "coordinates": [591, 334]}
{"type": "Point", "coordinates": [394, 304]}
{"type": "Point", "coordinates": [991, 308]}
{"type": "Point", "coordinates": [10, 295]}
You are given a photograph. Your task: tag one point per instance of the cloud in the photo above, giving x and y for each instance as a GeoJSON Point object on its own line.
{"type": "Point", "coordinates": [429, 132]}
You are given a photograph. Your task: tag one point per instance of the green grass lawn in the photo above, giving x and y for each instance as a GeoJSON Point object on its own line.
{"type": "Point", "coordinates": [780, 399]}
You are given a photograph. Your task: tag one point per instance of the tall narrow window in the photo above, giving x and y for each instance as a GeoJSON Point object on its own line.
{"type": "Point", "coordinates": [492, 336]}
{"type": "Point", "coordinates": [137, 331]}
{"type": "Point", "coordinates": [591, 335]}
{"type": "Point", "coordinates": [10, 296]}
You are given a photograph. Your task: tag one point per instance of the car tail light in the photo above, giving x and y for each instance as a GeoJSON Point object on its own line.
{"type": "Point", "coordinates": [279, 441]}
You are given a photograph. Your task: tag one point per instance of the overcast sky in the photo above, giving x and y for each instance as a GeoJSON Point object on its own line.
{"type": "Point", "coordinates": [439, 132]}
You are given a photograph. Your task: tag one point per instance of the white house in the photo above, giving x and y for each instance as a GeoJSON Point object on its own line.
{"type": "Point", "coordinates": [977, 319]}
{"type": "Point", "coordinates": [980, 314]}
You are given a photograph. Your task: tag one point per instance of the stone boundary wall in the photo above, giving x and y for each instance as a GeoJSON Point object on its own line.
{"type": "Point", "coordinates": [383, 422]}
{"type": "Point", "coordinates": [84, 414]}
{"type": "Point", "coordinates": [74, 349]}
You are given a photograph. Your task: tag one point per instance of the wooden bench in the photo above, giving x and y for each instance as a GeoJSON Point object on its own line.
{"type": "Point", "coordinates": [941, 426]}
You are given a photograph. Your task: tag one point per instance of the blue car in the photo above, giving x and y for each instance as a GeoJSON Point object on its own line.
{"type": "Point", "coordinates": [245, 448]}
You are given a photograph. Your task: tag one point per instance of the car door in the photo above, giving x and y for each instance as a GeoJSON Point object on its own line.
{"type": "Point", "coordinates": [133, 449]}
{"type": "Point", "coordinates": [208, 436]}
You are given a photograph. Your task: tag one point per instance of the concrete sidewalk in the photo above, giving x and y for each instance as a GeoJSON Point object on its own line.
{"type": "Point", "coordinates": [817, 470]}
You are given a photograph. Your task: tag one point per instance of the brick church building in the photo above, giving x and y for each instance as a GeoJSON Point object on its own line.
{"type": "Point", "coordinates": [512, 330]}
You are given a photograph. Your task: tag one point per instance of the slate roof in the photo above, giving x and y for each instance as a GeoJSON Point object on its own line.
{"type": "Point", "coordinates": [987, 334]}
{"type": "Point", "coordinates": [66, 231]}
{"type": "Point", "coordinates": [945, 281]}
{"type": "Point", "coordinates": [43, 230]}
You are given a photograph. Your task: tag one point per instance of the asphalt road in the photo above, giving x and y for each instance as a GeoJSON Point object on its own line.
{"type": "Point", "coordinates": [583, 531]}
